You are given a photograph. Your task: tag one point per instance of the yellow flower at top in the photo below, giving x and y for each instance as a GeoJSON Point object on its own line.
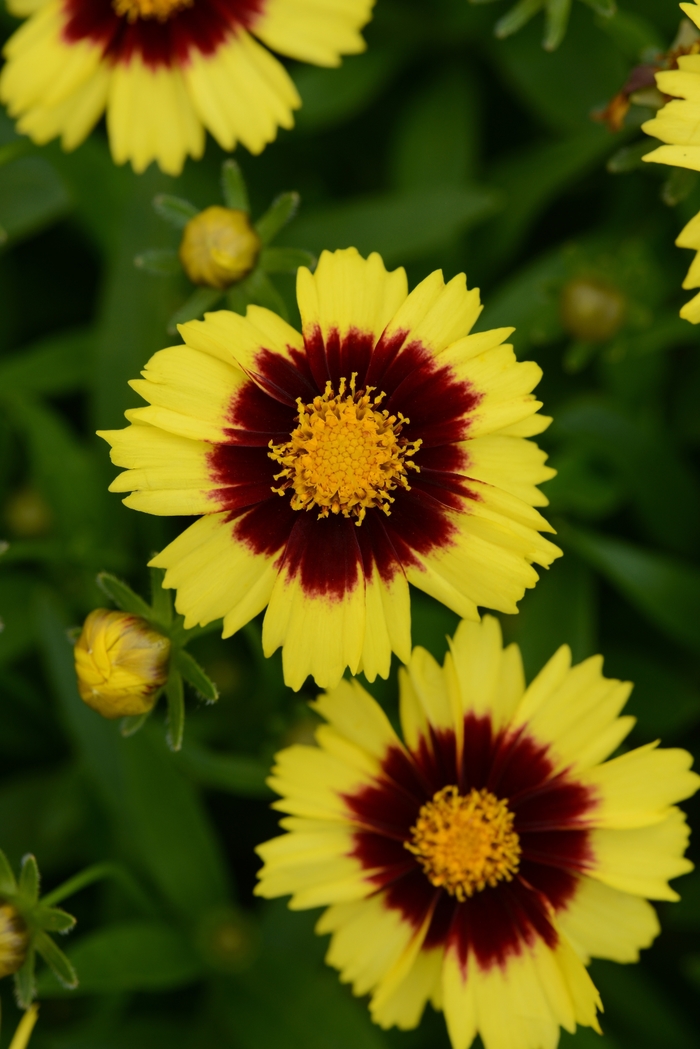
{"type": "Point", "coordinates": [382, 446]}
{"type": "Point", "coordinates": [480, 861]}
{"type": "Point", "coordinates": [167, 70]}
{"type": "Point", "coordinates": [677, 125]}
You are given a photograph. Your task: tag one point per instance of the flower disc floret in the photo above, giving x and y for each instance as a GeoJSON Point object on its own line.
{"type": "Point", "coordinates": [464, 843]}
{"type": "Point", "coordinates": [345, 455]}
{"type": "Point", "coordinates": [162, 10]}
{"type": "Point", "coordinates": [14, 939]}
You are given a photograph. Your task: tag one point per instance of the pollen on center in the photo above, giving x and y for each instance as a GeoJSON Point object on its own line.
{"type": "Point", "coordinates": [160, 9]}
{"type": "Point", "coordinates": [465, 842]}
{"type": "Point", "coordinates": [345, 455]}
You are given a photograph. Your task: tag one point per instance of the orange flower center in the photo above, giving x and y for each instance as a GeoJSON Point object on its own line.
{"type": "Point", "coordinates": [464, 843]}
{"type": "Point", "coordinates": [160, 9]}
{"type": "Point", "coordinates": [345, 455]}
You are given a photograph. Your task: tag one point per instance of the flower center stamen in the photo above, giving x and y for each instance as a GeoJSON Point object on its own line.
{"type": "Point", "coordinates": [160, 9]}
{"type": "Point", "coordinates": [346, 454]}
{"type": "Point", "coordinates": [464, 843]}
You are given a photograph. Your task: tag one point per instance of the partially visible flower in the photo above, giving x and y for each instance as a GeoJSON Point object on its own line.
{"type": "Point", "coordinates": [382, 446]}
{"type": "Point", "coordinates": [219, 246]}
{"type": "Point", "coordinates": [27, 513]}
{"type": "Point", "coordinates": [121, 663]}
{"type": "Point", "coordinates": [480, 862]}
{"type": "Point", "coordinates": [166, 70]}
{"type": "Point", "coordinates": [14, 939]}
{"type": "Point", "coordinates": [25, 1028]}
{"type": "Point", "coordinates": [591, 310]}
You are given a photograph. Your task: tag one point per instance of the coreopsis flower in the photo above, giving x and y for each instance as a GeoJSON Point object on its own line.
{"type": "Point", "coordinates": [482, 860]}
{"type": "Point", "coordinates": [383, 445]}
{"type": "Point", "coordinates": [166, 70]}
{"type": "Point", "coordinates": [121, 663]}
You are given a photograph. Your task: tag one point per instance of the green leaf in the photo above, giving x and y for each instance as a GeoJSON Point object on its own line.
{"type": "Point", "coordinates": [56, 960]}
{"type": "Point", "coordinates": [233, 187]}
{"type": "Point", "coordinates": [281, 211]}
{"type": "Point", "coordinates": [25, 983]}
{"type": "Point", "coordinates": [258, 288]}
{"type": "Point", "coordinates": [8, 882]}
{"type": "Point", "coordinates": [176, 709]}
{"type": "Point", "coordinates": [131, 956]}
{"type": "Point", "coordinates": [29, 879]}
{"type": "Point", "coordinates": [629, 158]}
{"type": "Point", "coordinates": [640, 1009]}
{"type": "Point", "coordinates": [131, 724]}
{"type": "Point", "coordinates": [665, 700]}
{"type": "Point", "coordinates": [401, 227]}
{"type": "Point", "coordinates": [161, 262]}
{"type": "Point", "coordinates": [235, 773]}
{"type": "Point", "coordinates": [285, 260]}
{"type": "Point", "coordinates": [55, 365]}
{"type": "Point", "coordinates": [200, 301]}
{"type": "Point", "coordinates": [174, 210]}
{"type": "Point", "coordinates": [517, 17]}
{"type": "Point", "coordinates": [195, 676]}
{"type": "Point", "coordinates": [332, 96]}
{"type": "Point", "coordinates": [664, 589]}
{"type": "Point", "coordinates": [678, 186]}
{"type": "Point", "coordinates": [32, 196]}
{"type": "Point", "coordinates": [161, 598]}
{"type": "Point", "coordinates": [556, 21]}
{"type": "Point", "coordinates": [53, 919]}
{"type": "Point", "coordinates": [123, 596]}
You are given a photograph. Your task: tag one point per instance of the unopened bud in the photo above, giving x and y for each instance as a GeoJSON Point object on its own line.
{"type": "Point", "coordinates": [591, 310]}
{"type": "Point", "coordinates": [14, 939]}
{"type": "Point", "coordinates": [219, 247]}
{"type": "Point", "coordinates": [27, 513]}
{"type": "Point", "coordinates": [121, 663]}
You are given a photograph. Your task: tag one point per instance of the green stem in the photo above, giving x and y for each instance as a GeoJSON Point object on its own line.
{"type": "Point", "coordinates": [98, 872]}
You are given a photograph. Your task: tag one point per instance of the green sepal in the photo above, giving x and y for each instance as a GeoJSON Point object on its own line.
{"type": "Point", "coordinates": [25, 984]}
{"type": "Point", "coordinates": [604, 8]}
{"type": "Point", "coordinates": [8, 882]}
{"type": "Point", "coordinates": [131, 724]}
{"type": "Point", "coordinates": [517, 17]}
{"type": "Point", "coordinates": [53, 919]}
{"type": "Point", "coordinates": [556, 21]}
{"type": "Point", "coordinates": [161, 599]}
{"type": "Point", "coordinates": [578, 355]}
{"type": "Point", "coordinates": [233, 187]}
{"type": "Point", "coordinates": [29, 879]}
{"type": "Point", "coordinates": [258, 288]}
{"type": "Point", "coordinates": [56, 960]}
{"type": "Point", "coordinates": [629, 158]}
{"type": "Point", "coordinates": [201, 300]}
{"type": "Point", "coordinates": [280, 212]}
{"type": "Point", "coordinates": [195, 676]}
{"type": "Point", "coordinates": [161, 262]}
{"type": "Point", "coordinates": [122, 595]}
{"type": "Point", "coordinates": [176, 709]}
{"type": "Point", "coordinates": [678, 186]}
{"type": "Point", "coordinates": [181, 636]}
{"type": "Point", "coordinates": [285, 260]}
{"type": "Point", "coordinates": [174, 210]}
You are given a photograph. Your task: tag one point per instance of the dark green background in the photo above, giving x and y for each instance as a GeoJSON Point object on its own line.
{"type": "Point", "coordinates": [440, 147]}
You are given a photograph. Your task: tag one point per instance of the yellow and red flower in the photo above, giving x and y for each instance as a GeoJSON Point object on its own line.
{"type": "Point", "coordinates": [480, 862]}
{"type": "Point", "coordinates": [167, 70]}
{"type": "Point", "coordinates": [383, 445]}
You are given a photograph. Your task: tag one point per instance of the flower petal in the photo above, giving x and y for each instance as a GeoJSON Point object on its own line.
{"type": "Point", "coordinates": [314, 32]}
{"type": "Point", "coordinates": [642, 860]}
{"type": "Point", "coordinates": [602, 922]}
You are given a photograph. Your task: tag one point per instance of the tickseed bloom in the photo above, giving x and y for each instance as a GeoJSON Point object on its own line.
{"type": "Point", "coordinates": [121, 663]}
{"type": "Point", "coordinates": [383, 445]}
{"type": "Point", "coordinates": [166, 70]}
{"type": "Point", "coordinates": [480, 862]}
{"type": "Point", "coordinates": [677, 126]}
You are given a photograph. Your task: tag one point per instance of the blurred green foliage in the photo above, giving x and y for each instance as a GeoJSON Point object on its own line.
{"type": "Point", "coordinates": [441, 146]}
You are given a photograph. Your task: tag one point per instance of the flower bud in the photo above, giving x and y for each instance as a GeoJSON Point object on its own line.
{"type": "Point", "coordinates": [121, 663]}
{"type": "Point", "coordinates": [590, 310]}
{"type": "Point", "coordinates": [14, 939]}
{"type": "Point", "coordinates": [219, 247]}
{"type": "Point", "coordinates": [27, 514]}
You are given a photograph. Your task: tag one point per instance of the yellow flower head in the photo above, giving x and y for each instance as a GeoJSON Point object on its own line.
{"type": "Point", "coordinates": [121, 663]}
{"type": "Point", "coordinates": [482, 860]}
{"type": "Point", "coordinates": [167, 70]}
{"type": "Point", "coordinates": [14, 939]}
{"type": "Point", "coordinates": [381, 446]}
{"type": "Point", "coordinates": [219, 246]}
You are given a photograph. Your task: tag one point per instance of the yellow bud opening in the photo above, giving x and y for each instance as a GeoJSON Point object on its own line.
{"type": "Point", "coordinates": [219, 247]}
{"type": "Point", "coordinates": [591, 310]}
{"type": "Point", "coordinates": [121, 663]}
{"type": "Point", "coordinates": [14, 939]}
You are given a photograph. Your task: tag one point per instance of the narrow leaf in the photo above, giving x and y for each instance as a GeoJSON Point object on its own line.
{"type": "Point", "coordinates": [629, 158]}
{"type": "Point", "coordinates": [556, 20]}
{"type": "Point", "coordinates": [8, 882]}
{"type": "Point", "coordinates": [195, 676]}
{"type": "Point", "coordinates": [517, 17]}
{"type": "Point", "coordinates": [25, 984]}
{"type": "Point", "coordinates": [29, 879]}
{"type": "Point", "coordinates": [233, 186]}
{"type": "Point", "coordinates": [56, 960]}
{"type": "Point", "coordinates": [285, 260]}
{"type": "Point", "coordinates": [161, 262]}
{"type": "Point", "coordinates": [122, 595]}
{"type": "Point", "coordinates": [174, 210]}
{"type": "Point", "coordinates": [199, 302]}
{"type": "Point", "coordinates": [258, 288]}
{"type": "Point", "coordinates": [604, 8]}
{"type": "Point", "coordinates": [280, 212]}
{"type": "Point", "coordinates": [237, 773]}
{"type": "Point", "coordinates": [53, 919]}
{"type": "Point", "coordinates": [130, 725]}
{"type": "Point", "coordinates": [176, 709]}
{"type": "Point", "coordinates": [161, 598]}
